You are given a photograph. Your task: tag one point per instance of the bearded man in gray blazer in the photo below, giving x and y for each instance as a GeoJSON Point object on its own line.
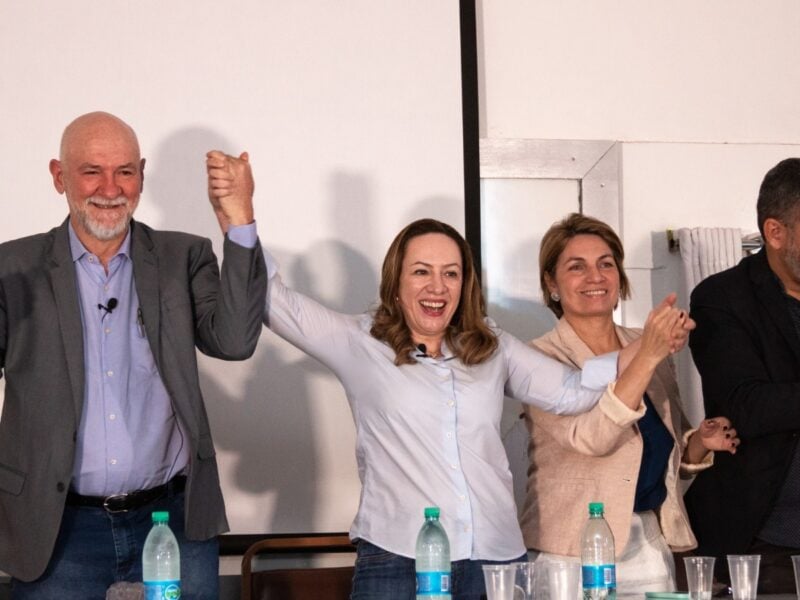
{"type": "Point", "coordinates": [103, 419]}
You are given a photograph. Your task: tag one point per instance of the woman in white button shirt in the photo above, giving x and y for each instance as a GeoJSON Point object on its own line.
{"type": "Point", "coordinates": [425, 376]}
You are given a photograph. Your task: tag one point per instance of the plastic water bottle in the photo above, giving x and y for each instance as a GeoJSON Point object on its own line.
{"type": "Point", "coordinates": [597, 557]}
{"type": "Point", "coordinates": [433, 559]}
{"type": "Point", "coordinates": [161, 561]}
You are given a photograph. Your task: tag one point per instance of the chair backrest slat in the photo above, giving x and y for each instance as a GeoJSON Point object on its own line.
{"type": "Point", "coordinates": [324, 583]}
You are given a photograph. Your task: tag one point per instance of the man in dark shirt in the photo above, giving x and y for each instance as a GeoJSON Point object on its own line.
{"type": "Point", "coordinates": [747, 349]}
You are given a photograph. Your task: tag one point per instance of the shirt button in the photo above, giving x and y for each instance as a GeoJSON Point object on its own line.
{"type": "Point", "coordinates": [110, 373]}
{"type": "Point", "coordinates": [105, 288]}
{"type": "Point", "coordinates": [108, 329]}
{"type": "Point", "coordinates": [451, 403]}
{"type": "Point", "coordinates": [91, 259]}
{"type": "Point", "coordinates": [454, 467]}
{"type": "Point", "coordinates": [113, 461]}
{"type": "Point", "coordinates": [462, 497]}
{"type": "Point", "coordinates": [449, 435]}
{"type": "Point", "coordinates": [112, 416]}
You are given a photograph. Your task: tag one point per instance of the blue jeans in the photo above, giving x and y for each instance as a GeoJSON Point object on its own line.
{"type": "Point", "coordinates": [95, 549]}
{"type": "Point", "coordinates": [381, 575]}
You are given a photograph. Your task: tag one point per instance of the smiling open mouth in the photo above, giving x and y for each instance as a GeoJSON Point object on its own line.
{"type": "Point", "coordinates": [431, 307]}
{"type": "Point", "coordinates": [103, 203]}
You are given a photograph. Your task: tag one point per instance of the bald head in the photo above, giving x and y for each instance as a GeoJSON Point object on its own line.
{"type": "Point", "coordinates": [94, 126]}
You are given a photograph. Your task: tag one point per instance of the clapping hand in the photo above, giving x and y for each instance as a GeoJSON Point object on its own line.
{"type": "Point", "coordinates": [680, 332]}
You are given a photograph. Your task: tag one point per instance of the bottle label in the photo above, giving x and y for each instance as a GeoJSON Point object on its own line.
{"type": "Point", "coordinates": [162, 590]}
{"type": "Point", "coordinates": [599, 576]}
{"type": "Point", "coordinates": [431, 583]}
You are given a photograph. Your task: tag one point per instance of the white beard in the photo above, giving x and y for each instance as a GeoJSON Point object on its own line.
{"type": "Point", "coordinates": [99, 230]}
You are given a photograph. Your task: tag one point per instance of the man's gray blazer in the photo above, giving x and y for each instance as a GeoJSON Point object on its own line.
{"type": "Point", "coordinates": [185, 304]}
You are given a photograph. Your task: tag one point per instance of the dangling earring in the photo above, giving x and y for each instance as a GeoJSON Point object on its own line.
{"type": "Point", "coordinates": [555, 297]}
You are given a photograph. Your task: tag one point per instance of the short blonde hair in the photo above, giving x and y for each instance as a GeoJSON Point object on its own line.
{"type": "Point", "coordinates": [557, 238]}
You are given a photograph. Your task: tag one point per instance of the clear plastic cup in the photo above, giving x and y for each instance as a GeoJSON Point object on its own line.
{"type": "Point", "coordinates": [796, 564]}
{"type": "Point", "coordinates": [563, 580]}
{"type": "Point", "coordinates": [743, 569]}
{"type": "Point", "coordinates": [524, 581]}
{"type": "Point", "coordinates": [699, 576]}
{"type": "Point", "coordinates": [499, 581]}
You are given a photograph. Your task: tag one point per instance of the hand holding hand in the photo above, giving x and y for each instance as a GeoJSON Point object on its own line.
{"type": "Point", "coordinates": [230, 188]}
{"type": "Point", "coordinates": [718, 434]}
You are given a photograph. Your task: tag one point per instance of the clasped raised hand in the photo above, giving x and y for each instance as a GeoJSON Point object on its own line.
{"type": "Point", "coordinates": [230, 188]}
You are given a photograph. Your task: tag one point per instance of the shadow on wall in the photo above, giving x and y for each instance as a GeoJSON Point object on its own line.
{"type": "Point", "coordinates": [272, 426]}
{"type": "Point", "coordinates": [175, 190]}
{"type": "Point", "coordinates": [516, 305]}
{"type": "Point", "coordinates": [271, 422]}
{"type": "Point", "coordinates": [267, 424]}
{"type": "Point", "coordinates": [521, 317]}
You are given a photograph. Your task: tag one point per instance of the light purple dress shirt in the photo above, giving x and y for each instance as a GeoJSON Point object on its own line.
{"type": "Point", "coordinates": [129, 437]}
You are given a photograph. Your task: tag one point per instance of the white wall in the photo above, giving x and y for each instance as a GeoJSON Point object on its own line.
{"type": "Point", "coordinates": [641, 70]}
{"type": "Point", "coordinates": [702, 95]}
{"type": "Point", "coordinates": [352, 114]}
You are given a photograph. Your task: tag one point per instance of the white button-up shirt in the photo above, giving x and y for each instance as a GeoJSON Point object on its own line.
{"type": "Point", "coordinates": [428, 434]}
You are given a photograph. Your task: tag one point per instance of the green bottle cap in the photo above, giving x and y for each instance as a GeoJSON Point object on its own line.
{"type": "Point", "coordinates": [161, 516]}
{"type": "Point", "coordinates": [432, 512]}
{"type": "Point", "coordinates": [595, 508]}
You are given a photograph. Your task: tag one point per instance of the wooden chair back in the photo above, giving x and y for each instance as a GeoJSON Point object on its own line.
{"type": "Point", "coordinates": [323, 583]}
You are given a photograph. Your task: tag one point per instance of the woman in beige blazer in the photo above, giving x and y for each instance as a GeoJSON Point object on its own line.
{"type": "Point", "coordinates": [628, 457]}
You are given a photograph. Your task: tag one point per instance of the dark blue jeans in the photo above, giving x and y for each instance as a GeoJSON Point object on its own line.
{"type": "Point", "coordinates": [95, 549]}
{"type": "Point", "coordinates": [381, 575]}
